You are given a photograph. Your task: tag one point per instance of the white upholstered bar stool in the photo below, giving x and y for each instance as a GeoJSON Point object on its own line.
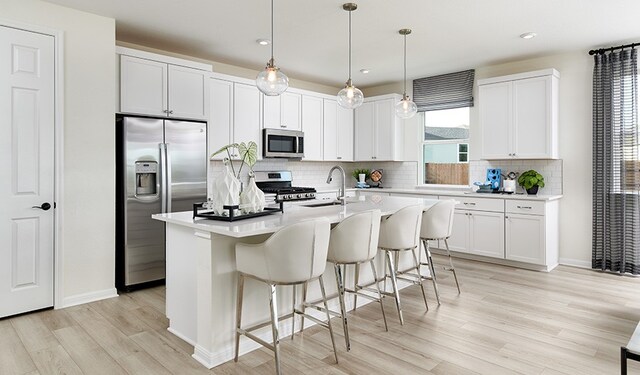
{"type": "Point", "coordinates": [353, 242]}
{"type": "Point", "coordinates": [437, 224]}
{"type": "Point", "coordinates": [294, 255]}
{"type": "Point", "coordinates": [398, 233]}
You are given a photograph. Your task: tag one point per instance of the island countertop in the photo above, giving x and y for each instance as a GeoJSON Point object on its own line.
{"type": "Point", "coordinates": [293, 214]}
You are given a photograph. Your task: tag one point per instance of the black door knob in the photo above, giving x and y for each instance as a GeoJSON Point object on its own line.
{"type": "Point", "coordinates": [45, 206]}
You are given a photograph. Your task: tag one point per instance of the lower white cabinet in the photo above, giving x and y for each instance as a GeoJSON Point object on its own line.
{"type": "Point", "coordinates": [478, 232]}
{"type": "Point", "coordinates": [524, 237]}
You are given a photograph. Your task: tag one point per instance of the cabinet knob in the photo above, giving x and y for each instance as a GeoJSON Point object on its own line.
{"type": "Point", "coordinates": [339, 157]}
{"type": "Point", "coordinates": [166, 111]}
{"type": "Point", "coordinates": [171, 112]}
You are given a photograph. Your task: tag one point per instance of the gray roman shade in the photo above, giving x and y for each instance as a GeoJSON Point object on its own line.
{"type": "Point", "coordinates": [446, 91]}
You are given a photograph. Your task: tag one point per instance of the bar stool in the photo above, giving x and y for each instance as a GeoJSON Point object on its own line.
{"type": "Point", "coordinates": [294, 255]}
{"type": "Point", "coordinates": [437, 224]}
{"type": "Point", "coordinates": [353, 242]}
{"type": "Point", "coordinates": [400, 232]}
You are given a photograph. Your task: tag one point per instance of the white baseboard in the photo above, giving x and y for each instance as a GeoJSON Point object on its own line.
{"type": "Point", "coordinates": [575, 263]}
{"type": "Point", "coordinates": [80, 299]}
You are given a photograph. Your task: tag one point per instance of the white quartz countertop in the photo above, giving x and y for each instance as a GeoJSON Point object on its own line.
{"type": "Point", "coordinates": [463, 193]}
{"type": "Point", "coordinates": [293, 214]}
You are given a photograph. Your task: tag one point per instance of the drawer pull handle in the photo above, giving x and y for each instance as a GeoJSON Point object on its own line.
{"type": "Point", "coordinates": [469, 203]}
{"type": "Point", "coordinates": [525, 207]}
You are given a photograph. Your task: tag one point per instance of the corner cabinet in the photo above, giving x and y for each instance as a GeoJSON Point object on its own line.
{"type": "Point", "coordinates": [163, 86]}
{"type": "Point", "coordinates": [379, 133]}
{"type": "Point", "coordinates": [519, 115]}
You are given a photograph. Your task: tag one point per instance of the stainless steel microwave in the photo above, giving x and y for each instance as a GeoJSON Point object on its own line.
{"type": "Point", "coordinates": [278, 143]}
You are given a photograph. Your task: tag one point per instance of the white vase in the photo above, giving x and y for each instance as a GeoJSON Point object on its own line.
{"type": "Point", "coordinates": [227, 192]}
{"type": "Point", "coordinates": [252, 199]}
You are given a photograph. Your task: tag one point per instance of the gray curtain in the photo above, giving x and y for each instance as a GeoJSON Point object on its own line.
{"type": "Point", "coordinates": [616, 163]}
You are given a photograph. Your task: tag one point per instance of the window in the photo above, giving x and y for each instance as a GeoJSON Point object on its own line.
{"type": "Point", "coordinates": [445, 147]}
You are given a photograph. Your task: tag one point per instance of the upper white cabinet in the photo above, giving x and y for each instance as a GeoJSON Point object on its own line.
{"type": "Point", "coordinates": [156, 85]}
{"type": "Point", "coordinates": [338, 132]}
{"type": "Point", "coordinates": [283, 111]}
{"type": "Point", "coordinates": [312, 119]}
{"type": "Point", "coordinates": [519, 115]}
{"type": "Point", "coordinates": [235, 115]}
{"type": "Point", "coordinates": [378, 131]}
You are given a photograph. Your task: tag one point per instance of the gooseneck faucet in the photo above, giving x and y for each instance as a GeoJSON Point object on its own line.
{"type": "Point", "coordinates": [341, 193]}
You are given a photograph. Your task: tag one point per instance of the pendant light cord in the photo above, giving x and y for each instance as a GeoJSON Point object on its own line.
{"type": "Point", "coordinates": [405, 65]}
{"type": "Point", "coordinates": [350, 46]}
{"type": "Point", "coordinates": [271, 30]}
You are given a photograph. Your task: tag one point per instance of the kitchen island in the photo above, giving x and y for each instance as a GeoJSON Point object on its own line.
{"type": "Point", "coordinates": [201, 273]}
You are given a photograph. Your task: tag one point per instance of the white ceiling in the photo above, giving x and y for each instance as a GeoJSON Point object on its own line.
{"type": "Point", "coordinates": [311, 35]}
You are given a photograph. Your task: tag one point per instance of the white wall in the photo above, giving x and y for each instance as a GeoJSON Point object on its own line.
{"type": "Point", "coordinates": [88, 225]}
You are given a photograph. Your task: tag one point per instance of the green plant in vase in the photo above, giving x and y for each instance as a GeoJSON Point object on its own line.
{"type": "Point", "coordinates": [247, 153]}
{"type": "Point", "coordinates": [531, 181]}
{"type": "Point", "coordinates": [356, 174]}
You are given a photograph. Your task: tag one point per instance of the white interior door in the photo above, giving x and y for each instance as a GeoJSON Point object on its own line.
{"type": "Point", "coordinates": [27, 165]}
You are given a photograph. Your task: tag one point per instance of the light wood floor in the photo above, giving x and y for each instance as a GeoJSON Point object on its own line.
{"type": "Point", "coordinates": [506, 321]}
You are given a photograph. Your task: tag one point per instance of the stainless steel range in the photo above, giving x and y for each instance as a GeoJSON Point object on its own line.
{"type": "Point", "coordinates": [278, 183]}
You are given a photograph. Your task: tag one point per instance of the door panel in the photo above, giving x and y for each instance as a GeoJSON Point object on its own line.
{"type": "Point", "coordinates": [364, 132]}
{"type": "Point", "coordinates": [345, 133]}
{"type": "Point", "coordinates": [187, 157]}
{"type": "Point", "coordinates": [525, 238]}
{"type": "Point", "coordinates": [330, 130]}
{"type": "Point", "coordinates": [459, 240]}
{"type": "Point", "coordinates": [143, 86]}
{"type": "Point", "coordinates": [487, 234]}
{"type": "Point", "coordinates": [496, 117]}
{"type": "Point", "coordinates": [221, 119]}
{"type": "Point", "coordinates": [188, 92]}
{"type": "Point", "coordinates": [144, 237]}
{"type": "Point", "coordinates": [532, 117]}
{"type": "Point", "coordinates": [312, 127]}
{"type": "Point", "coordinates": [385, 122]}
{"type": "Point", "coordinates": [27, 160]}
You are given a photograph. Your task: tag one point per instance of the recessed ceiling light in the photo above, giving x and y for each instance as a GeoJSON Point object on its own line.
{"type": "Point", "coordinates": [528, 35]}
{"type": "Point", "coordinates": [263, 42]}
{"type": "Point", "coordinates": [365, 71]}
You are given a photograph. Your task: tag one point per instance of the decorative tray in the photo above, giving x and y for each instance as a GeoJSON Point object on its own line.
{"type": "Point", "coordinates": [200, 211]}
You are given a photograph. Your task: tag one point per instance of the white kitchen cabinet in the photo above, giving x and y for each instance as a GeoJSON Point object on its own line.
{"type": "Point", "coordinates": [478, 232]}
{"type": "Point", "coordinates": [235, 115]}
{"type": "Point", "coordinates": [379, 134]}
{"type": "Point", "coordinates": [337, 131]}
{"type": "Point", "coordinates": [519, 115]}
{"type": "Point", "coordinates": [531, 232]}
{"type": "Point", "coordinates": [312, 111]}
{"type": "Point", "coordinates": [158, 88]}
{"type": "Point", "coordinates": [283, 111]}
{"type": "Point", "coordinates": [246, 114]}
{"type": "Point", "coordinates": [221, 119]}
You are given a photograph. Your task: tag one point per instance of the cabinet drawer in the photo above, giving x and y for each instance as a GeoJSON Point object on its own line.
{"type": "Point", "coordinates": [486, 204]}
{"type": "Point", "coordinates": [525, 207]}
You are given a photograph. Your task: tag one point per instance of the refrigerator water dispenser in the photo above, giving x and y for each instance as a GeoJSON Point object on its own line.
{"type": "Point", "coordinates": [146, 177]}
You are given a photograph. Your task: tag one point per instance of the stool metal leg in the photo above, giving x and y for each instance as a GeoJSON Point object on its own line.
{"type": "Point", "coordinates": [240, 293]}
{"type": "Point", "coordinates": [415, 261]}
{"type": "Point", "coordinates": [293, 311]}
{"type": "Point", "coordinates": [432, 271]}
{"type": "Point", "coordinates": [343, 310]}
{"type": "Point", "coordinates": [304, 299]}
{"type": "Point", "coordinates": [375, 277]}
{"type": "Point", "coordinates": [357, 280]}
{"type": "Point", "coordinates": [394, 284]}
{"type": "Point", "coordinates": [326, 308]}
{"type": "Point", "coordinates": [273, 308]}
{"type": "Point", "coordinates": [452, 269]}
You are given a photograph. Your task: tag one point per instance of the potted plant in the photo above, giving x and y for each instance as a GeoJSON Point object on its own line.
{"type": "Point", "coordinates": [531, 181]}
{"type": "Point", "coordinates": [357, 172]}
{"type": "Point", "coordinates": [228, 186]}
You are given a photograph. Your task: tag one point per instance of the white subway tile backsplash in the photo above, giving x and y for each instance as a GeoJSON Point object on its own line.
{"type": "Point", "coordinates": [551, 170]}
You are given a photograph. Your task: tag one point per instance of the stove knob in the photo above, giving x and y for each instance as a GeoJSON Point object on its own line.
{"type": "Point", "coordinates": [299, 195]}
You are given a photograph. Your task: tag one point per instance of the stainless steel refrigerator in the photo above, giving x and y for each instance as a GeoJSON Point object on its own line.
{"type": "Point", "coordinates": [161, 167]}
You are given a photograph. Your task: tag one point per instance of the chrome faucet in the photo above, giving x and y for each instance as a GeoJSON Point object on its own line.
{"type": "Point", "coordinates": [341, 193]}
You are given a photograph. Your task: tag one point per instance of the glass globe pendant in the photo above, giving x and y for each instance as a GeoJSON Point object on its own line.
{"type": "Point", "coordinates": [271, 81]}
{"type": "Point", "coordinates": [405, 108]}
{"type": "Point", "coordinates": [350, 97]}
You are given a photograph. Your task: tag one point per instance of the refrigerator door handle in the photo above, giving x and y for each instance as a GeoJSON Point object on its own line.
{"type": "Point", "coordinates": [163, 177]}
{"type": "Point", "coordinates": [167, 158]}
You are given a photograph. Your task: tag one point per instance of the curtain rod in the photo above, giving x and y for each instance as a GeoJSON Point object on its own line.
{"type": "Point", "coordinates": [602, 51]}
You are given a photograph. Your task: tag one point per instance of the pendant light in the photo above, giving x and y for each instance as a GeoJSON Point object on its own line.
{"type": "Point", "coordinates": [271, 81]}
{"type": "Point", "coordinates": [350, 97]}
{"type": "Point", "coordinates": [405, 108]}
